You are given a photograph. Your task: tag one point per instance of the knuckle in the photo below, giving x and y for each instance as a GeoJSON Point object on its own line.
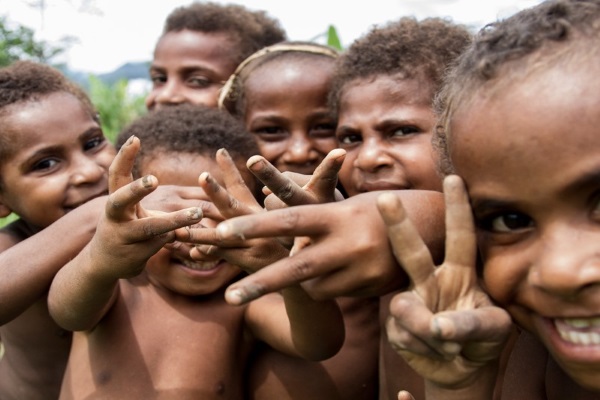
{"type": "Point", "coordinates": [299, 270]}
{"type": "Point", "coordinates": [289, 218]}
{"type": "Point", "coordinates": [286, 191]}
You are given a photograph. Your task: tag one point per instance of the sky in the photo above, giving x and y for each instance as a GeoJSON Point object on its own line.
{"type": "Point", "coordinates": [109, 33]}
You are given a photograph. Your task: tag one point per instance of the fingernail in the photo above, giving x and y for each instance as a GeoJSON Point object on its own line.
{"type": "Point", "coordinates": [234, 297]}
{"type": "Point", "coordinates": [443, 327]}
{"type": "Point", "coordinates": [226, 232]}
{"type": "Point", "coordinates": [195, 214]}
{"type": "Point", "coordinates": [130, 140]}
{"type": "Point", "coordinates": [223, 231]}
{"type": "Point", "coordinates": [451, 348]}
{"type": "Point", "coordinates": [224, 152]}
{"type": "Point", "coordinates": [147, 181]}
{"type": "Point", "coordinates": [256, 165]}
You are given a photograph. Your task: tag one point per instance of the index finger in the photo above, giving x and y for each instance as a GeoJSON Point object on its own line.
{"type": "Point", "coordinates": [281, 185]}
{"type": "Point", "coordinates": [119, 172]}
{"type": "Point", "coordinates": [410, 250]}
{"type": "Point", "coordinates": [460, 232]}
{"type": "Point", "coordinates": [286, 272]}
{"type": "Point", "coordinates": [306, 220]}
{"type": "Point", "coordinates": [324, 180]}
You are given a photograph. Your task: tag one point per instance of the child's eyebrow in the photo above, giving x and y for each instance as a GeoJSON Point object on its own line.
{"type": "Point", "coordinates": [586, 180]}
{"type": "Point", "coordinates": [91, 132]}
{"type": "Point", "coordinates": [487, 205]}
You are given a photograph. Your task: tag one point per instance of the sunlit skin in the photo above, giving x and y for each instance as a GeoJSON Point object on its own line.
{"type": "Point", "coordinates": [167, 268]}
{"type": "Point", "coordinates": [124, 314]}
{"type": "Point", "coordinates": [528, 152]}
{"type": "Point", "coordinates": [190, 67]}
{"type": "Point", "coordinates": [287, 112]}
{"type": "Point", "coordinates": [385, 126]}
{"type": "Point", "coordinates": [58, 164]}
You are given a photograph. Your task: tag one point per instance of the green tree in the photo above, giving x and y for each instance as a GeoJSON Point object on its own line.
{"type": "Point", "coordinates": [115, 106]}
{"type": "Point", "coordinates": [18, 42]}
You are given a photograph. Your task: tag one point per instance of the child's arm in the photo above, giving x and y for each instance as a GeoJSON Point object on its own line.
{"type": "Point", "coordinates": [28, 262]}
{"type": "Point", "coordinates": [445, 327]}
{"type": "Point", "coordinates": [125, 238]}
{"type": "Point", "coordinates": [305, 328]}
{"type": "Point", "coordinates": [349, 253]}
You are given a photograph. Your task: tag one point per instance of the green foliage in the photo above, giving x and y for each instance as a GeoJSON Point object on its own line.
{"type": "Point", "coordinates": [8, 220]}
{"type": "Point", "coordinates": [17, 42]}
{"type": "Point", "coordinates": [333, 39]}
{"type": "Point", "coordinates": [115, 106]}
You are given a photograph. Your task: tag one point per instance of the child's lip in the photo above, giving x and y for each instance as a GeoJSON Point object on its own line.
{"type": "Point", "coordinates": [200, 265]}
{"type": "Point", "coordinates": [579, 331]}
{"type": "Point", "coordinates": [575, 339]}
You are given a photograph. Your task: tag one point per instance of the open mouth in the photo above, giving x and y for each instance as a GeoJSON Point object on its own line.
{"type": "Point", "coordinates": [579, 331]}
{"type": "Point", "coordinates": [200, 265]}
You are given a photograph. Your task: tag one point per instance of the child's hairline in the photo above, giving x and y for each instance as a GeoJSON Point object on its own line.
{"type": "Point", "coordinates": [550, 55]}
{"type": "Point", "coordinates": [230, 100]}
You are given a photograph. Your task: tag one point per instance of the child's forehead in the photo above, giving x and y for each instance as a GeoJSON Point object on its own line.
{"type": "Point", "coordinates": [391, 88]}
{"type": "Point", "coordinates": [547, 119]}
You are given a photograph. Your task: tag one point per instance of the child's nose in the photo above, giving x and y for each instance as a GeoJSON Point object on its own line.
{"type": "Point", "coordinates": [299, 150]}
{"type": "Point", "coordinates": [86, 170]}
{"type": "Point", "coordinates": [170, 93]}
{"type": "Point", "coordinates": [568, 262]}
{"type": "Point", "coordinates": [372, 156]}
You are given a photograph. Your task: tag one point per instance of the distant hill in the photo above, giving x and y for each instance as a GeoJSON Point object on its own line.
{"type": "Point", "coordinates": [128, 71]}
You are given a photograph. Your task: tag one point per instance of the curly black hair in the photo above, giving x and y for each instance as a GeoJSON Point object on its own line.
{"type": "Point", "coordinates": [250, 30]}
{"type": "Point", "coordinates": [539, 34]}
{"type": "Point", "coordinates": [27, 81]}
{"type": "Point", "coordinates": [406, 48]}
{"type": "Point", "coordinates": [188, 128]}
{"type": "Point", "coordinates": [233, 96]}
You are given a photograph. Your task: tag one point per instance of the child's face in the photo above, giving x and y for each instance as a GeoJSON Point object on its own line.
{"type": "Point", "coordinates": [174, 269]}
{"type": "Point", "coordinates": [529, 154]}
{"type": "Point", "coordinates": [385, 126]}
{"type": "Point", "coordinates": [287, 113]}
{"type": "Point", "coordinates": [189, 67]}
{"type": "Point", "coordinates": [60, 161]}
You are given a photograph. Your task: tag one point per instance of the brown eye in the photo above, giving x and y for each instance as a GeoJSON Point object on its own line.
{"type": "Point", "coordinates": [510, 222]}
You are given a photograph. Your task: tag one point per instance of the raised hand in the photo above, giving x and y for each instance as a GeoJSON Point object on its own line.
{"type": "Point", "coordinates": [127, 234]}
{"type": "Point", "coordinates": [349, 255]}
{"type": "Point", "coordinates": [445, 327]}
{"type": "Point", "coordinates": [290, 189]}
{"type": "Point", "coordinates": [232, 200]}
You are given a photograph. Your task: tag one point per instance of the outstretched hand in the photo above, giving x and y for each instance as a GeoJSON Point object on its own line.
{"type": "Point", "coordinates": [233, 200]}
{"type": "Point", "coordinates": [445, 327]}
{"type": "Point", "coordinates": [292, 189]}
{"type": "Point", "coordinates": [349, 253]}
{"type": "Point", "coordinates": [127, 233]}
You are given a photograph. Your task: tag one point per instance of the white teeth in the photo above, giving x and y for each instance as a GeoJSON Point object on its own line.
{"type": "Point", "coordinates": [582, 323]}
{"type": "Point", "coordinates": [200, 265]}
{"type": "Point", "coordinates": [570, 330]}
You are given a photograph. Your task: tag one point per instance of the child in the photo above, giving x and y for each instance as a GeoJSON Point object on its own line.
{"type": "Point", "coordinates": [54, 158]}
{"type": "Point", "coordinates": [519, 126]}
{"type": "Point", "coordinates": [201, 45]}
{"type": "Point", "coordinates": [192, 344]}
{"type": "Point", "coordinates": [383, 93]}
{"type": "Point", "coordinates": [294, 132]}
